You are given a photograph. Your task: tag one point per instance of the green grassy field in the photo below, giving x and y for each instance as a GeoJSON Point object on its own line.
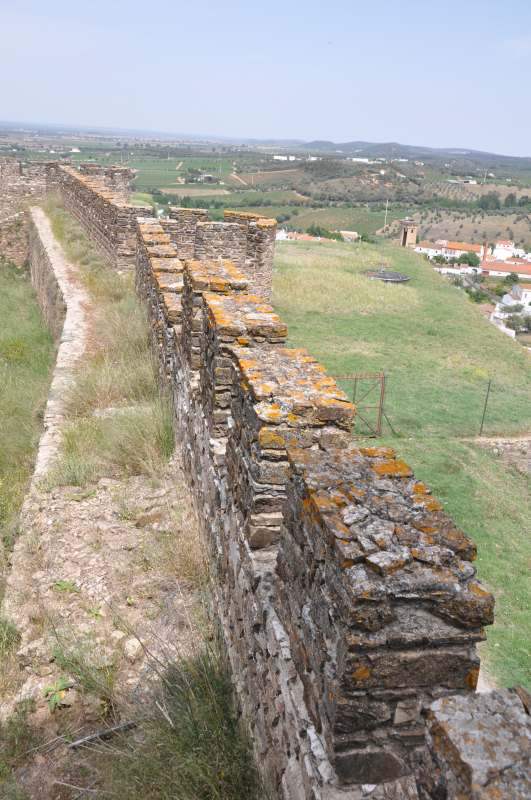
{"type": "Point", "coordinates": [26, 356]}
{"type": "Point", "coordinates": [438, 353]}
{"type": "Point", "coordinates": [437, 350]}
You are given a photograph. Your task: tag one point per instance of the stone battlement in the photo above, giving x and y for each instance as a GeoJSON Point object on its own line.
{"type": "Point", "coordinates": [347, 597]}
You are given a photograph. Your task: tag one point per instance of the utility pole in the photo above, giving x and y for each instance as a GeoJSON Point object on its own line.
{"type": "Point", "coordinates": [386, 210]}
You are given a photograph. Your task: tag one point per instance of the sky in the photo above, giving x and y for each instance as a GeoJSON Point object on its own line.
{"type": "Point", "coordinates": [440, 74]}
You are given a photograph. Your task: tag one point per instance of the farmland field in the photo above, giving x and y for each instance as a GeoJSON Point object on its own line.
{"type": "Point", "coordinates": [438, 353]}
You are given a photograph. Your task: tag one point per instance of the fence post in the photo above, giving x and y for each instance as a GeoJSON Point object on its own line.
{"type": "Point", "coordinates": [485, 407]}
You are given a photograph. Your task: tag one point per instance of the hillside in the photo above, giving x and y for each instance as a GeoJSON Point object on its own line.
{"type": "Point", "coordinates": [438, 354]}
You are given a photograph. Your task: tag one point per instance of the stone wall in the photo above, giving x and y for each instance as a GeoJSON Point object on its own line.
{"type": "Point", "coordinates": [248, 240]}
{"type": "Point", "coordinates": [479, 748]}
{"type": "Point", "coordinates": [14, 239]}
{"type": "Point", "coordinates": [117, 179]}
{"type": "Point", "coordinates": [20, 183]}
{"type": "Point", "coordinates": [348, 599]}
{"type": "Point", "coordinates": [44, 280]}
{"type": "Point", "coordinates": [63, 302]}
{"type": "Point", "coordinates": [104, 214]}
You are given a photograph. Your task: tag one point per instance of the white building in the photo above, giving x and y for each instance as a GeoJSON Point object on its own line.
{"type": "Point", "coordinates": [448, 250]}
{"type": "Point", "coordinates": [503, 250]}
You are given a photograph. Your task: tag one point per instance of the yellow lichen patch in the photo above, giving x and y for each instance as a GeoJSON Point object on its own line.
{"type": "Point", "coordinates": [272, 413]}
{"type": "Point", "coordinates": [377, 452]}
{"type": "Point", "coordinates": [393, 468]}
{"type": "Point", "coordinates": [324, 503]}
{"type": "Point", "coordinates": [361, 673]}
{"type": "Point", "coordinates": [355, 493]}
{"type": "Point", "coordinates": [270, 439]}
{"type": "Point", "coordinates": [431, 504]}
{"type": "Point", "coordinates": [478, 590]}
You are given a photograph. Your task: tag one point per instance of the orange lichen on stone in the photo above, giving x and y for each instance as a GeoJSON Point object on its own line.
{"type": "Point", "coordinates": [377, 452]}
{"type": "Point", "coordinates": [361, 673]}
{"type": "Point", "coordinates": [271, 439]}
{"type": "Point", "coordinates": [472, 678]}
{"type": "Point", "coordinates": [393, 468]}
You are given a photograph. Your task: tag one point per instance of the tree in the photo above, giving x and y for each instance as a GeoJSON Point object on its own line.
{"type": "Point", "coordinates": [323, 233]}
{"type": "Point", "coordinates": [472, 259]}
{"type": "Point", "coordinates": [489, 201]}
{"type": "Point", "coordinates": [511, 279]}
{"type": "Point", "coordinates": [510, 200]}
{"type": "Point", "coordinates": [515, 322]}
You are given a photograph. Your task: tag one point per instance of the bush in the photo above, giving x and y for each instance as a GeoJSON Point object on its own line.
{"type": "Point", "coordinates": [323, 233]}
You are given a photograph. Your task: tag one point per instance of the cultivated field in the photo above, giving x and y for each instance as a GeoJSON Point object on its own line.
{"type": "Point", "coordinates": [438, 354]}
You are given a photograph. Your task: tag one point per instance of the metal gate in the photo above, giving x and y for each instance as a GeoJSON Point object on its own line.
{"type": "Point", "coordinates": [368, 395]}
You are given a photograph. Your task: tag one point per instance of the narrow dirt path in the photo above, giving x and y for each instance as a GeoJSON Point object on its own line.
{"type": "Point", "coordinates": [237, 178]}
{"type": "Point", "coordinates": [102, 585]}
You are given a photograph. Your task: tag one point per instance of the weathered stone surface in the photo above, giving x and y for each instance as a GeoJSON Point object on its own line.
{"type": "Point", "coordinates": [480, 748]}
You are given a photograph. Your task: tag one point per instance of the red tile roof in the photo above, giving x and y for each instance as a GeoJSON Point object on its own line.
{"type": "Point", "coordinates": [468, 248]}
{"type": "Point", "coordinates": [503, 266]}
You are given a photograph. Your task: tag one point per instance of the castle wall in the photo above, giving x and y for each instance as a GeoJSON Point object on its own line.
{"type": "Point", "coordinates": [20, 183]}
{"type": "Point", "coordinates": [14, 239]}
{"type": "Point", "coordinates": [347, 598]}
{"type": "Point", "coordinates": [248, 240]}
{"type": "Point", "coordinates": [117, 179]}
{"type": "Point", "coordinates": [106, 217]}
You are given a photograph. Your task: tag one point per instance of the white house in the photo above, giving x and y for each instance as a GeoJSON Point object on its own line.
{"type": "Point", "coordinates": [503, 250]}
{"type": "Point", "coordinates": [448, 250]}
{"type": "Point", "coordinates": [520, 295]}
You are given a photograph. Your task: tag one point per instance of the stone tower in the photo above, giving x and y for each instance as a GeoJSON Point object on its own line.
{"type": "Point", "coordinates": [408, 233]}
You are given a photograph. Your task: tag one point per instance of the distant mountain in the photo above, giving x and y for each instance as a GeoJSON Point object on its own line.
{"type": "Point", "coordinates": [415, 152]}
{"type": "Point", "coordinates": [355, 148]}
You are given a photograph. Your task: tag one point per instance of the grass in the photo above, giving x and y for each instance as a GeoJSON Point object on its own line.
{"type": "Point", "coordinates": [194, 749]}
{"type": "Point", "coordinates": [437, 352]}
{"type": "Point", "coordinates": [491, 503]}
{"type": "Point", "coordinates": [117, 424]}
{"type": "Point", "coordinates": [17, 737]}
{"type": "Point", "coordinates": [26, 356]}
{"type": "Point", "coordinates": [436, 349]}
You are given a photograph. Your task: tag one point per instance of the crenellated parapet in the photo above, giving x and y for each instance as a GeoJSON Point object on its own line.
{"type": "Point", "coordinates": [347, 598]}
{"type": "Point", "coordinates": [380, 600]}
{"type": "Point", "coordinates": [248, 240]}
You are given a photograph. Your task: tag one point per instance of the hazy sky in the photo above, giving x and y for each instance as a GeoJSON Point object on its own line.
{"type": "Point", "coordinates": [447, 73]}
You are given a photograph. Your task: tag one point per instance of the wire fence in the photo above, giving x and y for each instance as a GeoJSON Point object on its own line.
{"type": "Point", "coordinates": [398, 404]}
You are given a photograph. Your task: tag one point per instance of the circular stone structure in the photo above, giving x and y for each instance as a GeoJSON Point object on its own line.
{"type": "Point", "coordinates": [386, 275]}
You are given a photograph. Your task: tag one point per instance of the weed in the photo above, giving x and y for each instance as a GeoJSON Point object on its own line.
{"type": "Point", "coordinates": [117, 423]}
{"type": "Point", "coordinates": [194, 748]}
{"type": "Point", "coordinates": [9, 637]}
{"type": "Point", "coordinates": [90, 667]}
{"type": "Point", "coordinates": [66, 586]}
{"type": "Point", "coordinates": [17, 737]}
